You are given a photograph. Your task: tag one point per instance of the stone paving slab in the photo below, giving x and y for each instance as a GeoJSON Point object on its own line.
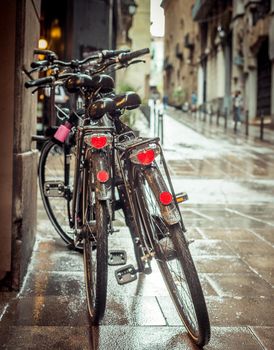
{"type": "Point", "coordinates": [241, 311]}
{"type": "Point", "coordinates": [126, 338]}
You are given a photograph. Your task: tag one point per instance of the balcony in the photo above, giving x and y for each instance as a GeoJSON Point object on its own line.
{"type": "Point", "coordinates": [201, 9]}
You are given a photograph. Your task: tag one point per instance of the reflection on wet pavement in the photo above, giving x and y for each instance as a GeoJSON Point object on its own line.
{"type": "Point", "coordinates": [230, 218]}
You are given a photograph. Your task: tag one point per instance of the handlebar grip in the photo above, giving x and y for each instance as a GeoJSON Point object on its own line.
{"type": "Point", "coordinates": [124, 57]}
{"type": "Point", "coordinates": [112, 53]}
{"type": "Point", "coordinates": [45, 52]}
{"type": "Point", "coordinates": [39, 82]}
{"type": "Point", "coordinates": [37, 64]}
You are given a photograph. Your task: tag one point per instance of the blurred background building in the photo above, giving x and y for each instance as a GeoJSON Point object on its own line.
{"type": "Point", "coordinates": [180, 56]}
{"type": "Point", "coordinates": [219, 47]}
{"type": "Point", "coordinates": [136, 78]}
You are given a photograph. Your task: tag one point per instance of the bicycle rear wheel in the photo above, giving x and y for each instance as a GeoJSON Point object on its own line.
{"type": "Point", "coordinates": [55, 172]}
{"type": "Point", "coordinates": [174, 261]}
{"type": "Point", "coordinates": [95, 249]}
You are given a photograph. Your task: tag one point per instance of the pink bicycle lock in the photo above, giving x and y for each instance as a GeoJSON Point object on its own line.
{"type": "Point", "coordinates": [62, 132]}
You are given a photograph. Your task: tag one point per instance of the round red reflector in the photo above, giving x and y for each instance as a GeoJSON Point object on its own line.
{"type": "Point", "coordinates": [98, 141]}
{"type": "Point", "coordinates": [102, 176]}
{"type": "Point", "coordinates": [146, 157]}
{"type": "Point", "coordinates": [165, 198]}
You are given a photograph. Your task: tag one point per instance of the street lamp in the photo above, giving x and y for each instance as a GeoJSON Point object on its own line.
{"type": "Point", "coordinates": [42, 43]}
{"type": "Point", "coordinates": [131, 6]}
{"type": "Point", "coordinates": [221, 32]}
{"type": "Point", "coordinates": [132, 9]}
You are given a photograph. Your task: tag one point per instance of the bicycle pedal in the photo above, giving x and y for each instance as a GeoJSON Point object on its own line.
{"type": "Point", "coordinates": [181, 197]}
{"type": "Point", "coordinates": [54, 189]}
{"type": "Point", "coordinates": [117, 257]}
{"type": "Point", "coordinates": [126, 274]}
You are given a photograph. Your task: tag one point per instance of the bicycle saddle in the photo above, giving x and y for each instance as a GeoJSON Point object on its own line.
{"type": "Point", "coordinates": [129, 100]}
{"type": "Point", "coordinates": [103, 82]}
{"type": "Point", "coordinates": [98, 108]}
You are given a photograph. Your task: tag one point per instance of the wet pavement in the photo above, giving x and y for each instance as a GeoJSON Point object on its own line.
{"type": "Point", "coordinates": [230, 183]}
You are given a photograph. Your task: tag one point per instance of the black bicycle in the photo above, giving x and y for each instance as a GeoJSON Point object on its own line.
{"type": "Point", "coordinates": [105, 167]}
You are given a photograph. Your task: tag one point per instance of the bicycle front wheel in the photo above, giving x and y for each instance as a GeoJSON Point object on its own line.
{"type": "Point", "coordinates": [95, 250]}
{"type": "Point", "coordinates": [174, 261]}
{"type": "Point", "coordinates": [55, 173]}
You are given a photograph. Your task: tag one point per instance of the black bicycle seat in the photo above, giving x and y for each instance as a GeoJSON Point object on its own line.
{"type": "Point", "coordinates": [129, 100]}
{"type": "Point", "coordinates": [98, 108]}
{"type": "Point", "coordinates": [102, 82]}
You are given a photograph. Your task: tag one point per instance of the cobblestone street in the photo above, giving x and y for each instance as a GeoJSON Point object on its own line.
{"type": "Point", "coordinates": [229, 215]}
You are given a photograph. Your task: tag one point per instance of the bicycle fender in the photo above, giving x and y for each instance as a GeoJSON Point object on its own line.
{"type": "Point", "coordinates": [102, 189]}
{"type": "Point", "coordinates": [157, 184]}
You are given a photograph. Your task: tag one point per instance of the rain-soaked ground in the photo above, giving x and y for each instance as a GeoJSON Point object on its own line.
{"type": "Point", "coordinates": [230, 184]}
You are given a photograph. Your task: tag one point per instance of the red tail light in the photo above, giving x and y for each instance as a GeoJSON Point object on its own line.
{"type": "Point", "coordinates": [165, 198]}
{"type": "Point", "coordinates": [98, 142]}
{"type": "Point", "coordinates": [102, 176]}
{"type": "Point", "coordinates": [146, 157]}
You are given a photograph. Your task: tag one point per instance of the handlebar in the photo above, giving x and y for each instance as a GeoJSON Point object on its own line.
{"type": "Point", "coordinates": [52, 58]}
{"type": "Point", "coordinates": [45, 52]}
{"type": "Point", "coordinates": [125, 57]}
{"type": "Point", "coordinates": [39, 64]}
{"type": "Point", "coordinates": [112, 53]}
{"type": "Point", "coordinates": [39, 82]}
{"type": "Point", "coordinates": [118, 56]}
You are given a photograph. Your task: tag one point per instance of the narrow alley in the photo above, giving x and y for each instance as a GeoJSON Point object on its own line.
{"type": "Point", "coordinates": [230, 220]}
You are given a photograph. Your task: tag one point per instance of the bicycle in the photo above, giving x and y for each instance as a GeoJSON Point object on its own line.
{"type": "Point", "coordinates": [109, 157]}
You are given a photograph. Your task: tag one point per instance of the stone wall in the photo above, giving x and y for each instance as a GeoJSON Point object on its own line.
{"type": "Point", "coordinates": [18, 122]}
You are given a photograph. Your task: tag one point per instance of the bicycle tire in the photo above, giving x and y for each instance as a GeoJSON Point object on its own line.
{"type": "Point", "coordinates": [175, 262]}
{"type": "Point", "coordinates": [95, 250]}
{"type": "Point", "coordinates": [51, 168]}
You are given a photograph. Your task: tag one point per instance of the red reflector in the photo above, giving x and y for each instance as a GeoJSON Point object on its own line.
{"type": "Point", "coordinates": [146, 157]}
{"type": "Point", "coordinates": [102, 176]}
{"type": "Point", "coordinates": [98, 141]}
{"type": "Point", "coordinates": [165, 198]}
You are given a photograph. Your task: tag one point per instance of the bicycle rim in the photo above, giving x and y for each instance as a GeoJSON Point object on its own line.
{"type": "Point", "coordinates": [51, 170]}
{"type": "Point", "coordinates": [175, 263]}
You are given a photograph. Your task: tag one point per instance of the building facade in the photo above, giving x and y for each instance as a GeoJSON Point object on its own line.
{"type": "Point", "coordinates": [231, 50]}
{"type": "Point", "coordinates": [136, 37]}
{"type": "Point", "coordinates": [180, 51]}
{"type": "Point", "coordinates": [253, 55]}
{"type": "Point", "coordinates": [214, 56]}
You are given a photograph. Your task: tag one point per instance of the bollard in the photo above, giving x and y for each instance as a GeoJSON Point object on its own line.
{"type": "Point", "coordinates": [225, 124]}
{"type": "Point", "coordinates": [155, 114]}
{"type": "Point", "coordinates": [205, 113]}
{"type": "Point", "coordinates": [235, 126]}
{"type": "Point", "coordinates": [161, 126]}
{"type": "Point", "coordinates": [246, 123]}
{"type": "Point", "coordinates": [218, 116]}
{"type": "Point", "coordinates": [262, 127]}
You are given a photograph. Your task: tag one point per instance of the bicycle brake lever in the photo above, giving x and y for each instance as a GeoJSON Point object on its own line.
{"type": "Point", "coordinates": [28, 74]}
{"type": "Point", "coordinates": [125, 65]}
{"type": "Point", "coordinates": [33, 92]}
{"type": "Point", "coordinates": [136, 61]}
